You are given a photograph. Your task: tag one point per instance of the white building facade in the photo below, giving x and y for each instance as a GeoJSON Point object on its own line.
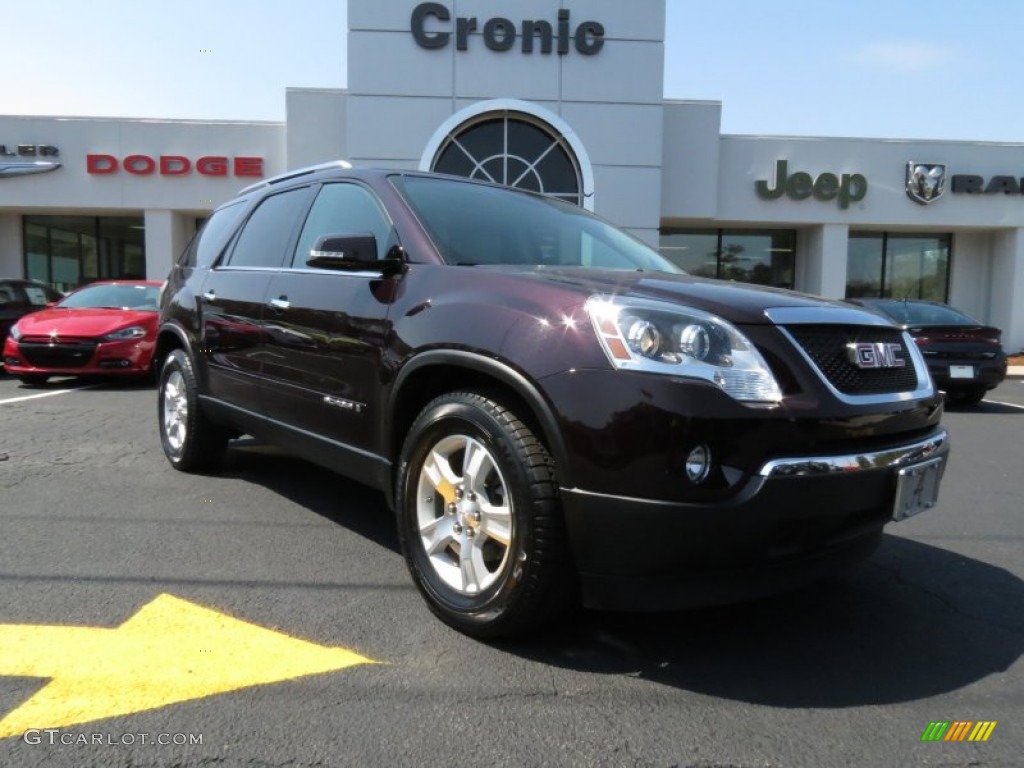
{"type": "Point", "coordinates": [559, 96]}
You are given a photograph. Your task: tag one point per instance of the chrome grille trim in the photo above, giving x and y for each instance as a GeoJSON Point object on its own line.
{"type": "Point", "coordinates": [900, 456]}
{"type": "Point", "coordinates": [832, 315]}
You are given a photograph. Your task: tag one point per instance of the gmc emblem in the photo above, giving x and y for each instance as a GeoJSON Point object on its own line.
{"type": "Point", "coordinates": [878, 355]}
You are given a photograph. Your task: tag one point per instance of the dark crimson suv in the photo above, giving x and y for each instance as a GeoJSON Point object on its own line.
{"type": "Point", "coordinates": [553, 411]}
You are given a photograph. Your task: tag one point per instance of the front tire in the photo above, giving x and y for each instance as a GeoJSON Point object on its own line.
{"type": "Point", "coordinates": [34, 379]}
{"type": "Point", "coordinates": [191, 442]}
{"type": "Point", "coordinates": [479, 520]}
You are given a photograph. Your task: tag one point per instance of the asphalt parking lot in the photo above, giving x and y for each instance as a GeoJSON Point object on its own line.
{"type": "Point", "coordinates": [263, 617]}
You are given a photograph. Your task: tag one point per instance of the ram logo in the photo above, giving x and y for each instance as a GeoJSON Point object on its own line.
{"type": "Point", "coordinates": [925, 181]}
{"type": "Point", "coordinates": [877, 355]}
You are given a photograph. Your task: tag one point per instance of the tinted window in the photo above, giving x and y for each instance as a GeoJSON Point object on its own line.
{"type": "Point", "coordinates": [475, 224]}
{"type": "Point", "coordinates": [40, 295]}
{"type": "Point", "coordinates": [264, 239]}
{"type": "Point", "coordinates": [209, 241]}
{"type": "Point", "coordinates": [344, 209]}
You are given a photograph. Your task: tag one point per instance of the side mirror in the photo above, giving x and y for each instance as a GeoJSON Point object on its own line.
{"type": "Point", "coordinates": [343, 252]}
{"type": "Point", "coordinates": [354, 253]}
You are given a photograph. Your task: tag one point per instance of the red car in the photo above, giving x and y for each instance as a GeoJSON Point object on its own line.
{"type": "Point", "coordinates": [106, 328]}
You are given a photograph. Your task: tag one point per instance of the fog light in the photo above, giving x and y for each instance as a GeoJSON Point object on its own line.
{"type": "Point", "coordinates": [698, 464]}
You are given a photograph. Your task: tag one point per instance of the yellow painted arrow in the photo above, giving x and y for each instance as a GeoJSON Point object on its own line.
{"type": "Point", "coordinates": [170, 651]}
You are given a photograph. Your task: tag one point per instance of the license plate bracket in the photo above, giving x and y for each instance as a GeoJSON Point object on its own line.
{"type": "Point", "coordinates": [917, 488]}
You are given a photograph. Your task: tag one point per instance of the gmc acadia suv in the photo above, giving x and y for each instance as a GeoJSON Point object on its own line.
{"type": "Point", "coordinates": [553, 411]}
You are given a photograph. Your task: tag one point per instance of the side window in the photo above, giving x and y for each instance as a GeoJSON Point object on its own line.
{"type": "Point", "coordinates": [209, 241]}
{"type": "Point", "coordinates": [344, 209]}
{"type": "Point", "coordinates": [39, 296]}
{"type": "Point", "coordinates": [266, 235]}
{"type": "Point", "coordinates": [10, 297]}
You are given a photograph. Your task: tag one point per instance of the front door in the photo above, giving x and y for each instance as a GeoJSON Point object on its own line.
{"type": "Point", "coordinates": [324, 330]}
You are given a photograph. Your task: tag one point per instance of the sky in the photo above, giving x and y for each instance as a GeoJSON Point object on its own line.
{"type": "Point", "coordinates": [904, 69]}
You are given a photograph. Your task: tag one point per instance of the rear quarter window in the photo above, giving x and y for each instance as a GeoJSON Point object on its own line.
{"type": "Point", "coordinates": [209, 242]}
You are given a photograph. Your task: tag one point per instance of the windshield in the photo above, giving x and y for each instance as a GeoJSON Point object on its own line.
{"type": "Point", "coordinates": [473, 224]}
{"type": "Point", "coordinates": [918, 313]}
{"type": "Point", "coordinates": [113, 296]}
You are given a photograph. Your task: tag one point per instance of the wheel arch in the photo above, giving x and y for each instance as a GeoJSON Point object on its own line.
{"type": "Point", "coordinates": [436, 372]}
{"type": "Point", "coordinates": [170, 337]}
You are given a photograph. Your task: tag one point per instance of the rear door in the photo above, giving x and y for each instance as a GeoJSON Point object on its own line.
{"type": "Point", "coordinates": [233, 295]}
{"type": "Point", "coordinates": [324, 330]}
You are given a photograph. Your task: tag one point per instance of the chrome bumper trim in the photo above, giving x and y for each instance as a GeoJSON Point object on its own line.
{"type": "Point", "coordinates": [857, 462]}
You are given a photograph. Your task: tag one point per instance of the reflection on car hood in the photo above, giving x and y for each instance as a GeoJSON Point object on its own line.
{"type": "Point", "coordinates": [84, 322]}
{"type": "Point", "coordinates": [737, 302]}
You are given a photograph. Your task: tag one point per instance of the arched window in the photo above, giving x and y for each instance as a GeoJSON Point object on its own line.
{"type": "Point", "coordinates": [513, 149]}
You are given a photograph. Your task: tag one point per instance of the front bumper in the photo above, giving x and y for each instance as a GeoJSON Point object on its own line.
{"type": "Point", "coordinates": [795, 520]}
{"type": "Point", "coordinates": [86, 357]}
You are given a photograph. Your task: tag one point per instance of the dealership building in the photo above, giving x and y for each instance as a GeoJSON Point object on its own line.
{"type": "Point", "coordinates": [559, 96]}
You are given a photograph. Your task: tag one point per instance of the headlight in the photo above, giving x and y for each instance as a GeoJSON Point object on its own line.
{"type": "Point", "coordinates": [658, 337]}
{"type": "Point", "coordinates": [135, 332]}
{"type": "Point", "coordinates": [15, 333]}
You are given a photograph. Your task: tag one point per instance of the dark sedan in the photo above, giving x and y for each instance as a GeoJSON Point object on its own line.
{"type": "Point", "coordinates": [965, 358]}
{"type": "Point", "coordinates": [20, 297]}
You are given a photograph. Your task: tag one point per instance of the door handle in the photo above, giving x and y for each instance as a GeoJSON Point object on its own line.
{"type": "Point", "coordinates": [281, 303]}
{"type": "Point", "coordinates": [209, 296]}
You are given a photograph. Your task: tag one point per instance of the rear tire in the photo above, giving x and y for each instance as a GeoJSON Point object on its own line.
{"type": "Point", "coordinates": [191, 442]}
{"type": "Point", "coordinates": [479, 519]}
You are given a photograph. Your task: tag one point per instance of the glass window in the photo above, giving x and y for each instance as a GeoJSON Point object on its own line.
{"type": "Point", "coordinates": [265, 237]}
{"type": "Point", "coordinates": [696, 252]}
{"type": "Point", "coordinates": [213, 235]}
{"type": "Point", "coordinates": [864, 258]}
{"type": "Point", "coordinates": [11, 297]}
{"type": "Point", "coordinates": [902, 266]}
{"type": "Point", "coordinates": [344, 209]}
{"type": "Point", "coordinates": [69, 251]}
{"type": "Point", "coordinates": [764, 257]}
{"type": "Point", "coordinates": [41, 295]}
{"type": "Point", "coordinates": [141, 297]}
{"type": "Point", "coordinates": [513, 149]}
{"type": "Point", "coordinates": [473, 224]}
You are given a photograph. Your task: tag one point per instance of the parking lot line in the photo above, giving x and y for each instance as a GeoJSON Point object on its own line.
{"type": "Point", "coordinates": [994, 402]}
{"type": "Point", "coordinates": [45, 394]}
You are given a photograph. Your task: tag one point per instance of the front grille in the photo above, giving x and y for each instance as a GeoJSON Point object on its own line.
{"type": "Point", "coordinates": [61, 354]}
{"type": "Point", "coordinates": [825, 345]}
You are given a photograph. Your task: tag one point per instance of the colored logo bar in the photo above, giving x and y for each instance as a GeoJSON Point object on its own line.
{"type": "Point", "coordinates": [958, 730]}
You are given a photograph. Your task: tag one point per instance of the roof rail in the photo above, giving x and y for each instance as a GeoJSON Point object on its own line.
{"type": "Point", "coordinates": [296, 173]}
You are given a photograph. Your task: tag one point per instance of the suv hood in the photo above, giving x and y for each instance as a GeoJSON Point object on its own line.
{"type": "Point", "coordinates": [737, 302]}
